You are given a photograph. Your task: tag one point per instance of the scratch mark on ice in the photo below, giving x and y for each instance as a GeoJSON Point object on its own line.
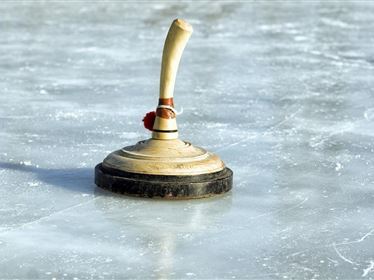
{"type": "Point", "coordinates": [281, 210]}
{"type": "Point", "coordinates": [48, 216]}
{"type": "Point", "coordinates": [269, 129]}
{"type": "Point", "coordinates": [341, 256]}
{"type": "Point", "coordinates": [366, 235]}
{"type": "Point", "coordinates": [369, 269]}
{"type": "Point", "coordinates": [236, 143]}
{"type": "Point", "coordinates": [333, 261]}
{"type": "Point", "coordinates": [286, 119]}
{"type": "Point", "coordinates": [358, 240]}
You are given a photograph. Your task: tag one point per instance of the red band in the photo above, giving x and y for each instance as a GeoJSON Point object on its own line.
{"type": "Point", "coordinates": [166, 101]}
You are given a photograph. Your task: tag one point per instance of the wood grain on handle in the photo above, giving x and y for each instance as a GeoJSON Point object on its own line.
{"type": "Point", "coordinates": [176, 40]}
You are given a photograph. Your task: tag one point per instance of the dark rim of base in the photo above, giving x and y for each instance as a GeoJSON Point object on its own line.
{"type": "Point", "coordinates": [160, 186]}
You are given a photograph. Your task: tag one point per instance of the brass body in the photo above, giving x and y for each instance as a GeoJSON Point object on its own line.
{"type": "Point", "coordinates": [164, 157]}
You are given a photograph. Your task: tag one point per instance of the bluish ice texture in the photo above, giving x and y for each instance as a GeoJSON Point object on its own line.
{"type": "Point", "coordinates": [283, 92]}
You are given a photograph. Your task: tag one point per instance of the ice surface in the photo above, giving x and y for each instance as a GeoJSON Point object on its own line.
{"type": "Point", "coordinates": [282, 92]}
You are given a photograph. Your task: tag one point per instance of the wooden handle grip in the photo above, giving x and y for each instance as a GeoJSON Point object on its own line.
{"type": "Point", "coordinates": [176, 40]}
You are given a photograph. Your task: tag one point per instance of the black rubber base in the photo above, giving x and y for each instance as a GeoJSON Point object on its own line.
{"type": "Point", "coordinates": [167, 187]}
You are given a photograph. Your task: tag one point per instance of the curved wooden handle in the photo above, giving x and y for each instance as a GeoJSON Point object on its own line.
{"type": "Point", "coordinates": [176, 40]}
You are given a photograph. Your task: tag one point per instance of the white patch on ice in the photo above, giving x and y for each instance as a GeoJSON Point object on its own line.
{"type": "Point", "coordinates": [338, 166]}
{"type": "Point", "coordinates": [369, 114]}
{"type": "Point", "coordinates": [68, 115]}
{"type": "Point", "coordinates": [300, 38]}
{"type": "Point", "coordinates": [336, 23]}
{"type": "Point", "coordinates": [158, 6]}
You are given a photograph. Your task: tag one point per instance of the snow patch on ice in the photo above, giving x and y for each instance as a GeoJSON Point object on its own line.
{"type": "Point", "coordinates": [60, 115]}
{"type": "Point", "coordinates": [369, 114]}
{"type": "Point", "coordinates": [43, 92]}
{"type": "Point", "coordinates": [338, 166]}
{"type": "Point", "coordinates": [25, 162]}
{"type": "Point", "coordinates": [336, 23]}
{"type": "Point", "coordinates": [33, 184]}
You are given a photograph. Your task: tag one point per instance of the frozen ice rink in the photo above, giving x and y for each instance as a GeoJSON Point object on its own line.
{"type": "Point", "coordinates": [283, 93]}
